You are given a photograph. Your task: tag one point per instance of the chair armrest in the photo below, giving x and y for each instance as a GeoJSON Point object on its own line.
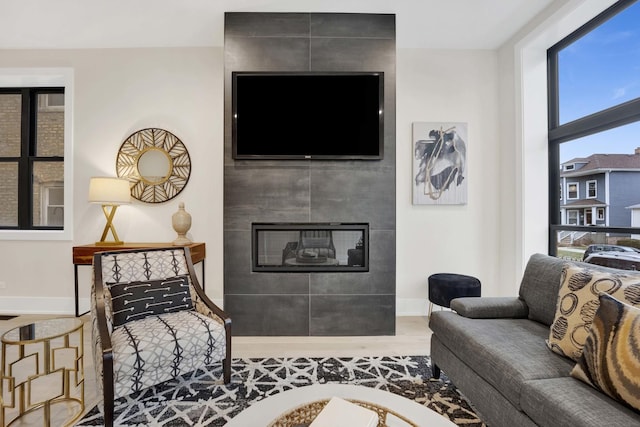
{"type": "Point", "coordinates": [490, 307]}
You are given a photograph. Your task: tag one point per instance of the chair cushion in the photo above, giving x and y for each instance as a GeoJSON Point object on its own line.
{"type": "Point", "coordinates": [136, 300]}
{"type": "Point", "coordinates": [160, 347]}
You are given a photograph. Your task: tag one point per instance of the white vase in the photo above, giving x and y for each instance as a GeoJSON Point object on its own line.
{"type": "Point", "coordinates": [181, 222]}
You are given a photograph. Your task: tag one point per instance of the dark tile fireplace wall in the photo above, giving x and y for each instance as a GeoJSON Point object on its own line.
{"type": "Point", "coordinates": [316, 303]}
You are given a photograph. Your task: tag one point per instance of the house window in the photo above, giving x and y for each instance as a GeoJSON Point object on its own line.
{"type": "Point", "coordinates": [572, 217]}
{"type": "Point", "coordinates": [592, 191]}
{"type": "Point", "coordinates": [594, 121]}
{"type": "Point", "coordinates": [560, 191]}
{"type": "Point", "coordinates": [51, 102]}
{"type": "Point", "coordinates": [572, 190]}
{"type": "Point", "coordinates": [32, 125]}
{"type": "Point", "coordinates": [52, 206]}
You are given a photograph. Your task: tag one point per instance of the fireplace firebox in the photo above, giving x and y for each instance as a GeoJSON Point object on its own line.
{"type": "Point", "coordinates": [309, 247]}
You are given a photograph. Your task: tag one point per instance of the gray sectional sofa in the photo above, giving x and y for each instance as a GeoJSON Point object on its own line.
{"type": "Point", "coordinates": [494, 351]}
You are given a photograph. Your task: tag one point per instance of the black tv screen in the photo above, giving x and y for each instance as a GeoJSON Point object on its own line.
{"type": "Point", "coordinates": [308, 115]}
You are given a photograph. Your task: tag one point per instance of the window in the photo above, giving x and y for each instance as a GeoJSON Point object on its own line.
{"type": "Point", "coordinates": [592, 189]}
{"type": "Point", "coordinates": [572, 217]}
{"type": "Point", "coordinates": [51, 102]}
{"type": "Point", "coordinates": [572, 190]}
{"type": "Point", "coordinates": [594, 122]}
{"type": "Point", "coordinates": [32, 142]}
{"type": "Point", "coordinates": [52, 210]}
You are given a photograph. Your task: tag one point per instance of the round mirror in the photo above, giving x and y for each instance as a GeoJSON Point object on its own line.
{"type": "Point", "coordinates": [154, 166]}
{"type": "Point", "coordinates": [156, 163]}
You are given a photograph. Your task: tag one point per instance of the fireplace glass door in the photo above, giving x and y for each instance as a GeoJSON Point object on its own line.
{"type": "Point", "coordinates": [298, 247]}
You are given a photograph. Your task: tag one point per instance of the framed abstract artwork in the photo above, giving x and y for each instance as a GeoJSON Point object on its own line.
{"type": "Point", "coordinates": [439, 163]}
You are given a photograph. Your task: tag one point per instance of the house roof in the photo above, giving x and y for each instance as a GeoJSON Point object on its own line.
{"type": "Point", "coordinates": [584, 203]}
{"type": "Point", "coordinates": [598, 162]}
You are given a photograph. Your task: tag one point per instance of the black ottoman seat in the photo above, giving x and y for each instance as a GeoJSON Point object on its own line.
{"type": "Point", "coordinates": [444, 287]}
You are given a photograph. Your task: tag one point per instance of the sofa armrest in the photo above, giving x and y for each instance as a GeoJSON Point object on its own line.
{"type": "Point", "coordinates": [490, 307]}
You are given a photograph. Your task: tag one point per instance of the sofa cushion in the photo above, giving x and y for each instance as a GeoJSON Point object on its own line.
{"type": "Point", "coordinates": [505, 352]}
{"type": "Point", "coordinates": [610, 361]}
{"type": "Point", "coordinates": [539, 286]}
{"type": "Point", "coordinates": [568, 402]}
{"type": "Point", "coordinates": [577, 303]}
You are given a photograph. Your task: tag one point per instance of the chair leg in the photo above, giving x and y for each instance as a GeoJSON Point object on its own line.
{"type": "Point", "coordinates": [108, 411]}
{"type": "Point", "coordinates": [430, 309]}
{"type": "Point", "coordinates": [435, 371]}
{"type": "Point", "coordinates": [226, 370]}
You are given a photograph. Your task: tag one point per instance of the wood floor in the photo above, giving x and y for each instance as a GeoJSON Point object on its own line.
{"type": "Point", "coordinates": [412, 338]}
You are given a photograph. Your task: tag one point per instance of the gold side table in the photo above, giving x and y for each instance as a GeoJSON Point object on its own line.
{"type": "Point", "coordinates": [38, 361]}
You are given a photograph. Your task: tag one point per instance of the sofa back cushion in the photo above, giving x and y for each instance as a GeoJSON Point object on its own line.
{"type": "Point", "coordinates": [540, 285]}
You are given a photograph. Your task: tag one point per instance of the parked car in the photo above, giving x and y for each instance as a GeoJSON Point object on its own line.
{"type": "Point", "coordinates": [608, 248]}
{"type": "Point", "coordinates": [621, 260]}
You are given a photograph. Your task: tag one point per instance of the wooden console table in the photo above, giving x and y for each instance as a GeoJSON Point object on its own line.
{"type": "Point", "coordinates": [83, 255]}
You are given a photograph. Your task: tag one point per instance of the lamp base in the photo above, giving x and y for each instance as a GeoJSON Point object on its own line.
{"type": "Point", "coordinates": [111, 243]}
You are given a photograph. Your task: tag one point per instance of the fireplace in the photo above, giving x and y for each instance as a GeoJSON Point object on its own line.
{"type": "Point", "coordinates": [310, 247]}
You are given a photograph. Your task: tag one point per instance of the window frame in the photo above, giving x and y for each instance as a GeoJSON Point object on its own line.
{"type": "Point", "coordinates": [577, 184]}
{"type": "Point", "coordinates": [595, 189]}
{"type": "Point", "coordinates": [47, 78]}
{"type": "Point", "coordinates": [612, 117]}
{"type": "Point", "coordinates": [577, 216]}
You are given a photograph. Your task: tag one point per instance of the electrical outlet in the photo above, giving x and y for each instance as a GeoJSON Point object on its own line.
{"type": "Point", "coordinates": [3, 285]}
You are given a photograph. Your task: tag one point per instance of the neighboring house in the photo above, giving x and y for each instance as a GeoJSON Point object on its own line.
{"type": "Point", "coordinates": [599, 189]}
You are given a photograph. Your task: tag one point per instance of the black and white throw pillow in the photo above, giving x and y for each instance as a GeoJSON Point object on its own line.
{"type": "Point", "coordinates": [137, 300]}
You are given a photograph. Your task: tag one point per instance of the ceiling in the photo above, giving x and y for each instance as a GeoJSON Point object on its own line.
{"type": "Point", "coordinates": [71, 24]}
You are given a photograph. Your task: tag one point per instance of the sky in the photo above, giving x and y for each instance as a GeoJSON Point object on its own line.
{"type": "Point", "coordinates": [598, 71]}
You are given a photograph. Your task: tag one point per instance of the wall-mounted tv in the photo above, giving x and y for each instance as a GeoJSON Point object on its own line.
{"type": "Point", "coordinates": [308, 115]}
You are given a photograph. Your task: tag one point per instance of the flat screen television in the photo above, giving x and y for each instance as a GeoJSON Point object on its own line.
{"type": "Point", "coordinates": [308, 115]}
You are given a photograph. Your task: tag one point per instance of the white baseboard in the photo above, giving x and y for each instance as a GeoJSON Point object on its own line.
{"type": "Point", "coordinates": [411, 306]}
{"type": "Point", "coordinates": [41, 305]}
{"type": "Point", "coordinates": [65, 306]}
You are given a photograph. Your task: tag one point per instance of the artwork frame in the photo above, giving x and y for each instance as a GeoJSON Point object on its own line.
{"type": "Point", "coordinates": [440, 163]}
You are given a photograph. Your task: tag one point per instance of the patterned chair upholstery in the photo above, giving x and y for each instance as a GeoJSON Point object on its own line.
{"type": "Point", "coordinates": [135, 348]}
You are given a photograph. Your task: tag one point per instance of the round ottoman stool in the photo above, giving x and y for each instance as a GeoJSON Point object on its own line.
{"type": "Point", "coordinates": [443, 287]}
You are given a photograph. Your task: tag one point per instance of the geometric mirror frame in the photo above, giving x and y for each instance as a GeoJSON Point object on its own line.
{"type": "Point", "coordinates": [156, 163]}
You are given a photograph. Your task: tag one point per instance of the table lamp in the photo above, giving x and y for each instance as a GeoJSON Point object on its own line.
{"type": "Point", "coordinates": [110, 193]}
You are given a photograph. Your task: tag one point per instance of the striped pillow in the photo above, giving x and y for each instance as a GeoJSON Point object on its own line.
{"type": "Point", "coordinates": [610, 360]}
{"type": "Point", "coordinates": [137, 300]}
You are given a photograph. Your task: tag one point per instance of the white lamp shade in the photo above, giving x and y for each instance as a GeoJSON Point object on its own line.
{"type": "Point", "coordinates": [109, 191]}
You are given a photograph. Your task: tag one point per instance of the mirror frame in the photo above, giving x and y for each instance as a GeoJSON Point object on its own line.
{"type": "Point", "coordinates": [140, 142]}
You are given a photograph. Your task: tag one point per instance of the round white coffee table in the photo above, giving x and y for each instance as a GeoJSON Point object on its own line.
{"type": "Point", "coordinates": [262, 413]}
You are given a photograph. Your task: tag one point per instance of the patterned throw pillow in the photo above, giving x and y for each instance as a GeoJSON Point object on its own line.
{"type": "Point", "coordinates": [137, 300]}
{"type": "Point", "coordinates": [578, 302]}
{"type": "Point", "coordinates": [611, 358]}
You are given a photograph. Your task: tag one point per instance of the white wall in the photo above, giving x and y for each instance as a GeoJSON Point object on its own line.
{"type": "Point", "coordinates": [500, 94]}
{"type": "Point", "coordinates": [116, 93]}
{"type": "Point", "coordinates": [523, 129]}
{"type": "Point", "coordinates": [448, 86]}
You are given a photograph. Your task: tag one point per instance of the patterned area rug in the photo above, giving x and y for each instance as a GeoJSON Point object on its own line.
{"type": "Point", "coordinates": [198, 399]}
